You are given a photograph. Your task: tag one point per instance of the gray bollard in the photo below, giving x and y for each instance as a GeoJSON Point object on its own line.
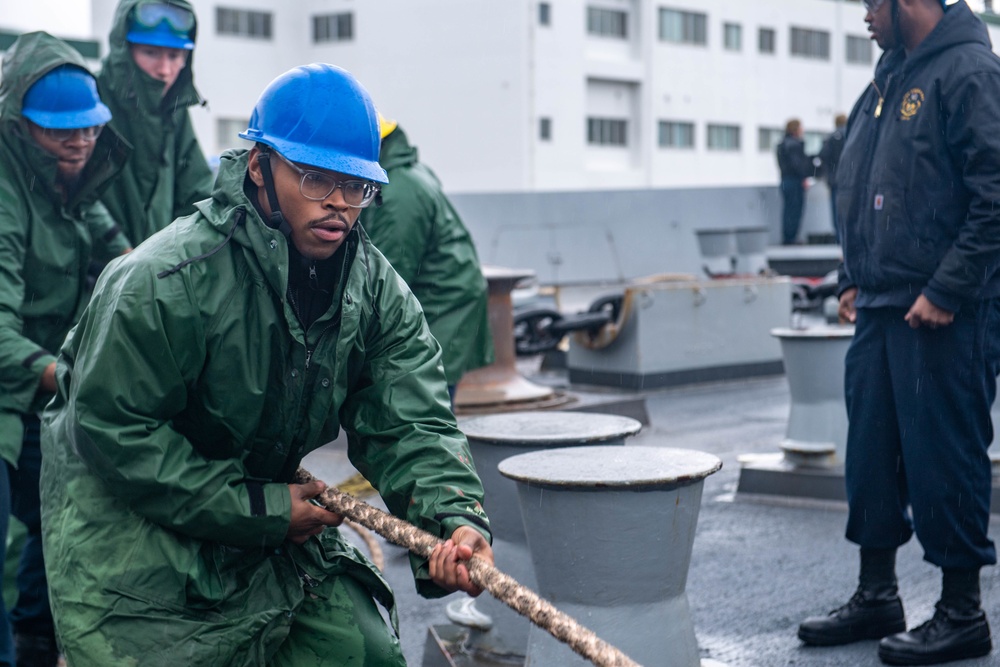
{"type": "Point", "coordinates": [994, 454]}
{"type": "Point", "coordinates": [817, 421]}
{"type": "Point", "coordinates": [994, 451]}
{"type": "Point", "coordinates": [751, 250]}
{"type": "Point", "coordinates": [718, 250]}
{"type": "Point", "coordinates": [498, 630]}
{"type": "Point", "coordinates": [610, 531]}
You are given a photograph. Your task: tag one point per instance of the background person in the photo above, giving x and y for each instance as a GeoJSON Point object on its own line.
{"type": "Point", "coordinates": [146, 79]}
{"type": "Point", "coordinates": [829, 157]}
{"type": "Point", "coordinates": [795, 167]}
{"type": "Point", "coordinates": [51, 226]}
{"type": "Point", "coordinates": [211, 360]}
{"type": "Point", "coordinates": [421, 234]}
{"type": "Point", "coordinates": [920, 228]}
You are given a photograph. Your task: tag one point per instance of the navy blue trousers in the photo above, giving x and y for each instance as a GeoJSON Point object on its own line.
{"type": "Point", "coordinates": [833, 212]}
{"type": "Point", "coordinates": [19, 496]}
{"type": "Point", "coordinates": [793, 197]}
{"type": "Point", "coordinates": [918, 404]}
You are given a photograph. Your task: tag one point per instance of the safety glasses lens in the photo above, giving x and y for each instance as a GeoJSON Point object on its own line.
{"type": "Point", "coordinates": [873, 5]}
{"type": "Point", "coordinates": [317, 186]}
{"type": "Point", "coordinates": [87, 133]}
{"type": "Point", "coordinates": [152, 14]}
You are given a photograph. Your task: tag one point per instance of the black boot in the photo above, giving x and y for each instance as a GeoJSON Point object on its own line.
{"type": "Point", "coordinates": [36, 650]}
{"type": "Point", "coordinates": [957, 631]}
{"type": "Point", "coordinates": [873, 612]}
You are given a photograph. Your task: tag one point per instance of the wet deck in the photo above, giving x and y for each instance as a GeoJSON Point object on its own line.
{"type": "Point", "coordinates": [758, 567]}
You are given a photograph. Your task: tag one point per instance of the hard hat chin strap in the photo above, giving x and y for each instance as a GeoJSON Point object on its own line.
{"type": "Point", "coordinates": [276, 220]}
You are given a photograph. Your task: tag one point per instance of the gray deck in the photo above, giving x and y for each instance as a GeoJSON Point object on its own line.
{"type": "Point", "coordinates": [759, 566]}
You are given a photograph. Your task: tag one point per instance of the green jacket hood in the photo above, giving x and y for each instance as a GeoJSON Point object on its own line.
{"type": "Point", "coordinates": [31, 57]}
{"type": "Point", "coordinates": [172, 174]}
{"type": "Point", "coordinates": [397, 151]}
{"type": "Point", "coordinates": [124, 78]}
{"type": "Point", "coordinates": [423, 236]}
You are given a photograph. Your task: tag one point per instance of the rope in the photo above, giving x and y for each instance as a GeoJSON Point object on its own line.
{"type": "Point", "coordinates": [502, 586]}
{"type": "Point", "coordinates": [373, 546]}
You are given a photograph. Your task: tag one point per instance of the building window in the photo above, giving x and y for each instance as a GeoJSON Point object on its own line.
{"type": "Point", "coordinates": [545, 129]}
{"type": "Point", "coordinates": [544, 13]}
{"type": "Point", "coordinates": [765, 40]}
{"type": "Point", "coordinates": [723, 137]}
{"type": "Point", "coordinates": [683, 27]}
{"type": "Point", "coordinates": [333, 28]}
{"type": "Point", "coordinates": [859, 50]}
{"type": "Point", "coordinates": [732, 36]}
{"type": "Point", "coordinates": [811, 43]}
{"type": "Point", "coordinates": [607, 131]}
{"type": "Point", "coordinates": [227, 133]}
{"type": "Point", "coordinates": [676, 134]}
{"type": "Point", "coordinates": [243, 23]}
{"type": "Point", "coordinates": [607, 22]}
{"type": "Point", "coordinates": [768, 138]}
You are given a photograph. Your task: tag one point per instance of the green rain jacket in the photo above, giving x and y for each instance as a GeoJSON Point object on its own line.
{"type": "Point", "coordinates": [167, 172]}
{"type": "Point", "coordinates": [423, 237]}
{"type": "Point", "coordinates": [188, 395]}
{"type": "Point", "coordinates": [46, 246]}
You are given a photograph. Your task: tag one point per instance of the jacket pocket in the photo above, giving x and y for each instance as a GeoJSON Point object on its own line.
{"type": "Point", "coordinates": [900, 238]}
{"type": "Point", "coordinates": [330, 555]}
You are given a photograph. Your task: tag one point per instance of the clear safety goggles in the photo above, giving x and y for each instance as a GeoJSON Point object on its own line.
{"type": "Point", "coordinates": [317, 186]}
{"type": "Point", "coordinates": [873, 5]}
{"type": "Point", "coordinates": [152, 14]}
{"type": "Point", "coordinates": [86, 133]}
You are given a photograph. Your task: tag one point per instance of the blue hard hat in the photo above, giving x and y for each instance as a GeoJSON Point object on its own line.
{"type": "Point", "coordinates": [65, 99]}
{"type": "Point", "coordinates": [161, 24]}
{"type": "Point", "coordinates": [319, 115]}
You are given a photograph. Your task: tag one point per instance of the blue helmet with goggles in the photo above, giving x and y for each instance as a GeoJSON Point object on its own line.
{"type": "Point", "coordinates": [65, 99]}
{"type": "Point", "coordinates": [161, 24]}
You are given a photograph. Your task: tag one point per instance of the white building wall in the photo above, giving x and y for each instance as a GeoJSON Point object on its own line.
{"type": "Point", "coordinates": [708, 84]}
{"type": "Point", "coordinates": [470, 80]}
{"type": "Point", "coordinates": [58, 17]}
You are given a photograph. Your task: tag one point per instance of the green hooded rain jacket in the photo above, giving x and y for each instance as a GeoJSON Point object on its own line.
{"type": "Point", "coordinates": [188, 395]}
{"type": "Point", "coordinates": [46, 245]}
{"type": "Point", "coordinates": [421, 234]}
{"type": "Point", "coordinates": [167, 172]}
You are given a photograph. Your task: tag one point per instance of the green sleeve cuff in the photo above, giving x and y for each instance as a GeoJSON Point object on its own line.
{"type": "Point", "coordinates": [277, 513]}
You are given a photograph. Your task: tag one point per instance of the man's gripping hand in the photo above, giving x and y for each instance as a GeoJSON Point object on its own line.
{"type": "Point", "coordinates": [447, 561]}
{"type": "Point", "coordinates": [308, 519]}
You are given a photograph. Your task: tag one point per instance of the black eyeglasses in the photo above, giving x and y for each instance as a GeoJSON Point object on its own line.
{"type": "Point", "coordinates": [86, 133]}
{"type": "Point", "coordinates": [873, 5]}
{"type": "Point", "coordinates": [317, 186]}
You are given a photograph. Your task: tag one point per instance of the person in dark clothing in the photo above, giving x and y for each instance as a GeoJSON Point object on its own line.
{"type": "Point", "coordinates": [795, 168]}
{"type": "Point", "coordinates": [829, 157]}
{"type": "Point", "coordinates": [918, 194]}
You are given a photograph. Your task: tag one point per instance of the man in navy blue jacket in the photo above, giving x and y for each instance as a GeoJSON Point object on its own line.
{"type": "Point", "coordinates": [918, 211]}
